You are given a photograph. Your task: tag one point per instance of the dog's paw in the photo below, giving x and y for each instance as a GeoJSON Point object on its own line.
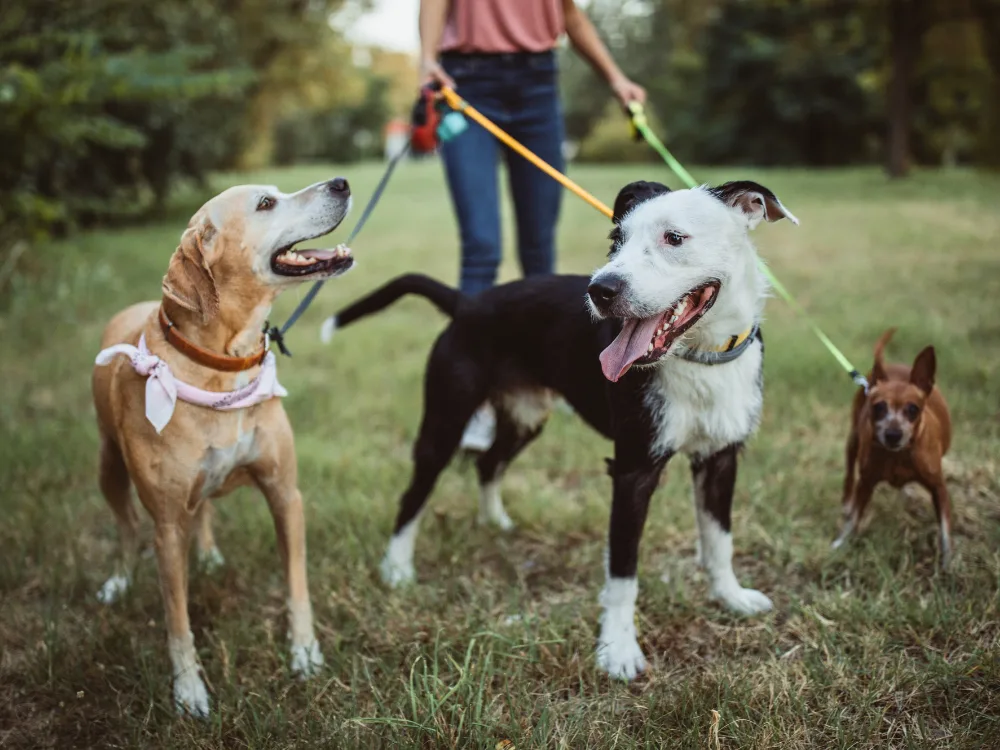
{"type": "Point", "coordinates": [306, 660]}
{"type": "Point", "coordinates": [190, 695]}
{"type": "Point", "coordinates": [497, 520]}
{"type": "Point", "coordinates": [211, 560]}
{"type": "Point", "coordinates": [621, 657]}
{"type": "Point", "coordinates": [113, 589]}
{"type": "Point", "coordinates": [743, 601]}
{"type": "Point", "coordinates": [396, 574]}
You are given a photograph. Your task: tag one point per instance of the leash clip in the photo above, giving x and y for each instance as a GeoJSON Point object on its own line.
{"type": "Point", "coordinates": [860, 380]}
{"type": "Point", "coordinates": [273, 333]}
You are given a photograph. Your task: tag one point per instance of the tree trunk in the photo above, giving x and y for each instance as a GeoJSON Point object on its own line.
{"type": "Point", "coordinates": [988, 14]}
{"type": "Point", "coordinates": [904, 46]}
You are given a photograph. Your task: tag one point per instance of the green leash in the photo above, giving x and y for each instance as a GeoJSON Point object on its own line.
{"type": "Point", "coordinates": [641, 125]}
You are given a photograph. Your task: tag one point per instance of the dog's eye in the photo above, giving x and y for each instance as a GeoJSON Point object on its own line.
{"type": "Point", "coordinates": [880, 410]}
{"type": "Point", "coordinates": [912, 411]}
{"type": "Point", "coordinates": [266, 203]}
{"type": "Point", "coordinates": [673, 238]}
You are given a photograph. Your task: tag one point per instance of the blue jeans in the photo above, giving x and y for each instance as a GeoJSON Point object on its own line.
{"type": "Point", "coordinates": [519, 92]}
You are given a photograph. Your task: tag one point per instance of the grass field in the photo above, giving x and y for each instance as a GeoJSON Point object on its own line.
{"type": "Point", "coordinates": [868, 647]}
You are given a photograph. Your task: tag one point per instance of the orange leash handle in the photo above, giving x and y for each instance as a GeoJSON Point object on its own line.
{"type": "Point", "coordinates": [459, 104]}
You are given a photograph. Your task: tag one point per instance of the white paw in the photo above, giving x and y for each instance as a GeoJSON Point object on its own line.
{"type": "Point", "coordinates": [743, 601]}
{"type": "Point", "coordinates": [211, 560]}
{"type": "Point", "coordinates": [395, 573]}
{"type": "Point", "coordinates": [306, 660]}
{"type": "Point", "coordinates": [113, 589]}
{"type": "Point", "coordinates": [501, 521]}
{"type": "Point", "coordinates": [190, 695]}
{"type": "Point", "coordinates": [621, 657]}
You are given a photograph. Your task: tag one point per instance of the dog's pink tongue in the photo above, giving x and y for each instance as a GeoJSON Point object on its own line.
{"type": "Point", "coordinates": [629, 345]}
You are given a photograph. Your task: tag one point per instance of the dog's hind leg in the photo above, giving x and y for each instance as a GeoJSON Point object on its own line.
{"type": "Point", "coordinates": [516, 428]}
{"type": "Point", "coordinates": [714, 479]}
{"type": "Point", "coordinates": [209, 557]}
{"type": "Point", "coordinates": [451, 395]}
{"type": "Point", "coordinates": [116, 487]}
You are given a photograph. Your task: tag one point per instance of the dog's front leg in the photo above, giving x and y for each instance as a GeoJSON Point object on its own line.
{"type": "Point", "coordinates": [618, 651]}
{"type": "Point", "coordinates": [862, 496]}
{"type": "Point", "coordinates": [714, 479]}
{"type": "Point", "coordinates": [942, 506]}
{"type": "Point", "coordinates": [190, 694]}
{"type": "Point", "coordinates": [278, 483]}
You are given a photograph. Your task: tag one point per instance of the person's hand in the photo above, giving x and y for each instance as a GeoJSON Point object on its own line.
{"type": "Point", "coordinates": [627, 91]}
{"type": "Point", "coordinates": [432, 72]}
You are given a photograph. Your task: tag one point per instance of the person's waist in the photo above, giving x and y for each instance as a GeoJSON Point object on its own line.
{"type": "Point", "coordinates": [507, 59]}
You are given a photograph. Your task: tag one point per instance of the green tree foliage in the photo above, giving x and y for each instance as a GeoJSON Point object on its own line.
{"type": "Point", "coordinates": [105, 104]}
{"type": "Point", "coordinates": [801, 81]}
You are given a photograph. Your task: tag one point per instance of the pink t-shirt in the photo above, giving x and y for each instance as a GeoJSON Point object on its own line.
{"type": "Point", "coordinates": [503, 26]}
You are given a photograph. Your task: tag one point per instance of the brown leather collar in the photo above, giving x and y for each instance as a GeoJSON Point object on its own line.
{"type": "Point", "coordinates": [202, 356]}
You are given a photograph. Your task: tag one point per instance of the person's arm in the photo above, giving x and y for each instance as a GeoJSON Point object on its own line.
{"type": "Point", "coordinates": [433, 16]}
{"type": "Point", "coordinates": [585, 40]}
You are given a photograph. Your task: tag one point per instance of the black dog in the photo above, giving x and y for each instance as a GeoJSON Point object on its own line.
{"type": "Point", "coordinates": [666, 359]}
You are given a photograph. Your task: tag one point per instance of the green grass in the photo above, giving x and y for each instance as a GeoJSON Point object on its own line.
{"type": "Point", "coordinates": [870, 647]}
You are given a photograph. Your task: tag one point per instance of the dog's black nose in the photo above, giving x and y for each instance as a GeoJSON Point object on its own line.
{"type": "Point", "coordinates": [605, 289]}
{"type": "Point", "coordinates": [893, 437]}
{"type": "Point", "coordinates": [339, 185]}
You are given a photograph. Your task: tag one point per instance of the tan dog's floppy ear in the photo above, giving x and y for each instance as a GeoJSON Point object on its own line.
{"type": "Point", "coordinates": [924, 367]}
{"type": "Point", "coordinates": [189, 281]}
{"type": "Point", "coordinates": [754, 200]}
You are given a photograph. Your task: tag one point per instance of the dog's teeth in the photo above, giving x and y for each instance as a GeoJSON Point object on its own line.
{"type": "Point", "coordinates": [649, 349]}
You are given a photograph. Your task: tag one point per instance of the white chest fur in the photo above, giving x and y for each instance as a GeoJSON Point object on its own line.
{"type": "Point", "coordinates": [700, 409]}
{"type": "Point", "coordinates": [219, 463]}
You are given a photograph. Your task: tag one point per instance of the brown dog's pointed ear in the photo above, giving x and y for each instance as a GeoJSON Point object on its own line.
{"type": "Point", "coordinates": [924, 368]}
{"type": "Point", "coordinates": [754, 200]}
{"type": "Point", "coordinates": [878, 368]}
{"type": "Point", "coordinates": [189, 281]}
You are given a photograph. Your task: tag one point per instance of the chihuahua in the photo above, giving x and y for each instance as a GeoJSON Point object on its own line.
{"type": "Point", "coordinates": [900, 432]}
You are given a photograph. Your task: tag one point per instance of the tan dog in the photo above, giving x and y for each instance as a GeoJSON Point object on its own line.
{"type": "Point", "coordinates": [235, 257]}
{"type": "Point", "coordinates": [900, 432]}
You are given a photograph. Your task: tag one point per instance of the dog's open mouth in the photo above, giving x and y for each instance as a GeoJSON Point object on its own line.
{"type": "Point", "coordinates": [291, 262]}
{"type": "Point", "coordinates": [642, 341]}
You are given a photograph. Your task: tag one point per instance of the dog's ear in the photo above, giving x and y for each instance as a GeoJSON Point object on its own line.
{"type": "Point", "coordinates": [189, 281]}
{"type": "Point", "coordinates": [755, 201]}
{"type": "Point", "coordinates": [633, 194]}
{"type": "Point", "coordinates": [878, 368]}
{"type": "Point", "coordinates": [924, 367]}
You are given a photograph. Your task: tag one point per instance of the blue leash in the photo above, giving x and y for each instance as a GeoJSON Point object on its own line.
{"type": "Point", "coordinates": [277, 335]}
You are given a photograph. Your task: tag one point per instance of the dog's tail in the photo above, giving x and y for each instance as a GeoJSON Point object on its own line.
{"type": "Point", "coordinates": [442, 296]}
{"type": "Point", "coordinates": [880, 345]}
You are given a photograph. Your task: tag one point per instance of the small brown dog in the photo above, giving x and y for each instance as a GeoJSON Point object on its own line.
{"type": "Point", "coordinates": [900, 431]}
{"type": "Point", "coordinates": [188, 403]}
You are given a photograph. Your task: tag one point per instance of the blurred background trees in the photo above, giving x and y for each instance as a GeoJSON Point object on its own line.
{"type": "Point", "coordinates": [105, 105]}
{"type": "Point", "coordinates": [807, 82]}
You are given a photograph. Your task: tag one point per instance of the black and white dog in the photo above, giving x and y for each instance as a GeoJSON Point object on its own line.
{"type": "Point", "coordinates": [659, 351]}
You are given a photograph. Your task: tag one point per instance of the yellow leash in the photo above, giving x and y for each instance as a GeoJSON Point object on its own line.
{"type": "Point", "coordinates": [459, 104]}
{"type": "Point", "coordinates": [638, 119]}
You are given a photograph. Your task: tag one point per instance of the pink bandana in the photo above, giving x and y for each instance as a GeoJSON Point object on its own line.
{"type": "Point", "coordinates": [163, 389]}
